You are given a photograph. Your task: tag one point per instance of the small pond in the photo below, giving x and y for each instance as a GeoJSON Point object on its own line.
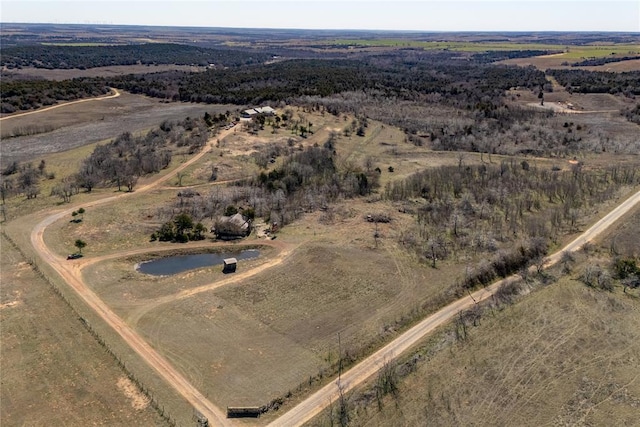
{"type": "Point", "coordinates": [179, 263]}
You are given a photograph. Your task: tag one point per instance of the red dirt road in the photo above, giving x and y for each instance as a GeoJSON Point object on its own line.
{"type": "Point", "coordinates": [70, 272]}
{"type": "Point", "coordinates": [313, 405]}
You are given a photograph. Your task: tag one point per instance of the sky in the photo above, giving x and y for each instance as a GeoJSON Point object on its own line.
{"type": "Point", "coordinates": [409, 15]}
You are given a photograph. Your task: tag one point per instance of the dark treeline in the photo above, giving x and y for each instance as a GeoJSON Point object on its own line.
{"type": "Point", "coordinates": [632, 114]}
{"type": "Point", "coordinates": [32, 94]}
{"type": "Point", "coordinates": [604, 60]}
{"type": "Point", "coordinates": [82, 57]}
{"type": "Point", "coordinates": [582, 81]}
{"type": "Point", "coordinates": [501, 55]}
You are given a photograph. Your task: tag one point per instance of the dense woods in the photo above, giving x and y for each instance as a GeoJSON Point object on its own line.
{"type": "Point", "coordinates": [82, 57]}
{"type": "Point", "coordinates": [604, 60]}
{"type": "Point", "coordinates": [405, 77]}
{"type": "Point", "coordinates": [583, 81]}
{"type": "Point", "coordinates": [24, 95]}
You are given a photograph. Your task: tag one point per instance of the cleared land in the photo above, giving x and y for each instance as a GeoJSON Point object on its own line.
{"type": "Point", "coordinates": [53, 370]}
{"type": "Point", "coordinates": [562, 61]}
{"type": "Point", "coordinates": [566, 355]}
{"type": "Point", "coordinates": [90, 122]}
{"type": "Point", "coordinates": [114, 70]}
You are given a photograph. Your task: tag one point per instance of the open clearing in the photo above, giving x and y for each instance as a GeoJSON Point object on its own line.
{"type": "Point", "coordinates": [53, 371]}
{"type": "Point", "coordinates": [561, 61]}
{"type": "Point", "coordinates": [113, 70]}
{"type": "Point", "coordinates": [90, 122]}
{"type": "Point", "coordinates": [567, 355]}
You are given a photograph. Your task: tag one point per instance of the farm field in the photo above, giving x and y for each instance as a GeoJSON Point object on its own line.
{"type": "Point", "coordinates": [53, 370]}
{"type": "Point", "coordinates": [114, 70]}
{"type": "Point", "coordinates": [566, 354]}
{"type": "Point", "coordinates": [569, 51]}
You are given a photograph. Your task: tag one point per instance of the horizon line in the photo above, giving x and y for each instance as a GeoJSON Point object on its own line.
{"type": "Point", "coordinates": [498, 31]}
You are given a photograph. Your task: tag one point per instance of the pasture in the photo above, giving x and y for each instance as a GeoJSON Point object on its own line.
{"type": "Point", "coordinates": [564, 355]}
{"type": "Point", "coordinates": [53, 369]}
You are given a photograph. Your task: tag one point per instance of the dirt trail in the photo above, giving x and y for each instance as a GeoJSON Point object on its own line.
{"type": "Point", "coordinates": [42, 110]}
{"type": "Point", "coordinates": [71, 273]}
{"type": "Point", "coordinates": [317, 402]}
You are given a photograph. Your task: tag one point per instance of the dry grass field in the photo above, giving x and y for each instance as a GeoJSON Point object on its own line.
{"type": "Point", "coordinates": [286, 320]}
{"type": "Point", "coordinates": [564, 355]}
{"type": "Point", "coordinates": [53, 371]}
{"type": "Point", "coordinates": [114, 70]}
{"type": "Point", "coordinates": [81, 124]}
{"type": "Point", "coordinates": [560, 62]}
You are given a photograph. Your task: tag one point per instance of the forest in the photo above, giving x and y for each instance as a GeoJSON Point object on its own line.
{"type": "Point", "coordinates": [83, 57]}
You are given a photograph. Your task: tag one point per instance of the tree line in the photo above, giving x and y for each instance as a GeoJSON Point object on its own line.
{"type": "Point", "coordinates": [583, 81]}
{"type": "Point", "coordinates": [22, 95]}
{"type": "Point", "coordinates": [83, 57]}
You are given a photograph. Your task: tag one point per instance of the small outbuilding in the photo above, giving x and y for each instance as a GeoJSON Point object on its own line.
{"type": "Point", "coordinates": [230, 265]}
{"type": "Point", "coordinates": [244, 411]}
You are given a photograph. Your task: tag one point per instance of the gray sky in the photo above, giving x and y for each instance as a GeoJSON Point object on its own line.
{"type": "Point", "coordinates": [425, 15]}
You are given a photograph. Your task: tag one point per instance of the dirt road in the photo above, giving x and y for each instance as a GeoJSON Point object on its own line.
{"type": "Point", "coordinates": [71, 273]}
{"type": "Point", "coordinates": [42, 110]}
{"type": "Point", "coordinates": [313, 405]}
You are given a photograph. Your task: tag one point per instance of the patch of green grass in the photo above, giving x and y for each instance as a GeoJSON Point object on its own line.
{"type": "Point", "coordinates": [570, 51]}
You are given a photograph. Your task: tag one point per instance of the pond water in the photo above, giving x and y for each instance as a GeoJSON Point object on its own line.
{"type": "Point", "coordinates": [179, 263]}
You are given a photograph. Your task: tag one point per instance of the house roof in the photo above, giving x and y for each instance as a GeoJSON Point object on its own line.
{"type": "Point", "coordinates": [237, 220]}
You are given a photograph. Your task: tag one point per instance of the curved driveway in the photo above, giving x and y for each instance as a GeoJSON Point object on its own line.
{"type": "Point", "coordinates": [70, 272]}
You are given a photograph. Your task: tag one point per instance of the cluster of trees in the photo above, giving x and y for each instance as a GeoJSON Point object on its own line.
{"type": "Point", "coordinates": [632, 114]}
{"type": "Point", "coordinates": [180, 229]}
{"type": "Point", "coordinates": [23, 179]}
{"type": "Point", "coordinates": [31, 94]}
{"type": "Point", "coordinates": [475, 208]}
{"type": "Point", "coordinates": [83, 57]}
{"type": "Point", "coordinates": [306, 181]}
{"type": "Point", "coordinates": [120, 162]}
{"type": "Point", "coordinates": [582, 81]}
{"type": "Point", "coordinates": [126, 158]}
{"type": "Point", "coordinates": [627, 271]}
